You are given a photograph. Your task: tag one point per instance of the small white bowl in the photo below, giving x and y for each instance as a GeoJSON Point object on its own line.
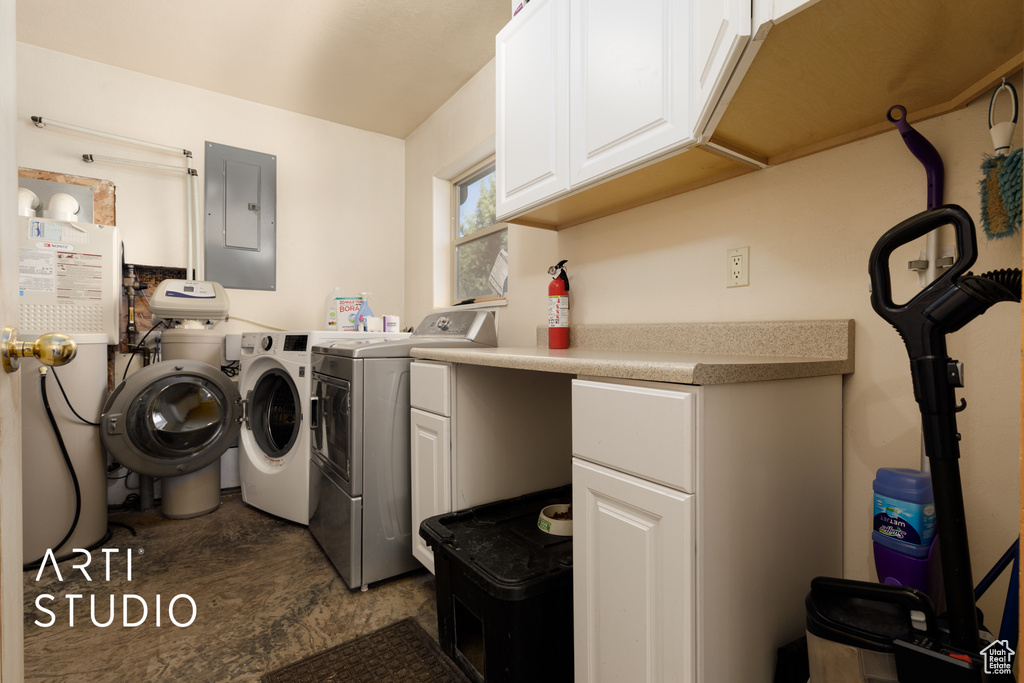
{"type": "Point", "coordinates": [557, 527]}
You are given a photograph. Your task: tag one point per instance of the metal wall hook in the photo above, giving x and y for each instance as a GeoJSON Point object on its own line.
{"type": "Point", "coordinates": [52, 348]}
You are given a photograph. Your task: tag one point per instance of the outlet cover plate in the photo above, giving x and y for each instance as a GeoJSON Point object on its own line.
{"type": "Point", "coordinates": [737, 262]}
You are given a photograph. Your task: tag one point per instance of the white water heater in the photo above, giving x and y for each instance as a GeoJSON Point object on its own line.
{"type": "Point", "coordinates": [69, 278]}
{"type": "Point", "coordinates": [47, 489]}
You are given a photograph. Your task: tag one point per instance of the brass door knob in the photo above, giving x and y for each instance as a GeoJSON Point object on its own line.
{"type": "Point", "coordinates": [52, 348]}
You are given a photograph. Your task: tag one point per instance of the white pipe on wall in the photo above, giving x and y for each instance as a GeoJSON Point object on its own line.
{"type": "Point", "coordinates": [190, 265]}
{"type": "Point", "coordinates": [194, 217]}
{"type": "Point", "coordinates": [191, 190]}
{"type": "Point", "coordinates": [90, 158]}
{"type": "Point", "coordinates": [42, 123]}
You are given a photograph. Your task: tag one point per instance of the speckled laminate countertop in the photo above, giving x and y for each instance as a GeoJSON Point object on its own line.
{"type": "Point", "coordinates": [685, 353]}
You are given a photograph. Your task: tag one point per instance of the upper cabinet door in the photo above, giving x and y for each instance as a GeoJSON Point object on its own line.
{"type": "Point", "coordinates": [532, 62]}
{"type": "Point", "coordinates": [719, 33]}
{"type": "Point", "coordinates": [629, 72]}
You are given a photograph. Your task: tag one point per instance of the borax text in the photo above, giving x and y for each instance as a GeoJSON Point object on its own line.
{"type": "Point", "coordinates": [136, 604]}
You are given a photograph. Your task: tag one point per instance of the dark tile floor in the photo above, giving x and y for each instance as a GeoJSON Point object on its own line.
{"type": "Point", "coordinates": [265, 595]}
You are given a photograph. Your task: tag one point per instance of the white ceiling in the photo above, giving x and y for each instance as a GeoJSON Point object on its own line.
{"type": "Point", "coordinates": [378, 65]}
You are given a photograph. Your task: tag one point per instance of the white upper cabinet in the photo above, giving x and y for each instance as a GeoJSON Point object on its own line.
{"type": "Point", "coordinates": [629, 81]}
{"type": "Point", "coordinates": [588, 89]}
{"type": "Point", "coordinates": [719, 33]}
{"type": "Point", "coordinates": [532, 114]}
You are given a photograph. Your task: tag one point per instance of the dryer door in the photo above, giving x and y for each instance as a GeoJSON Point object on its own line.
{"type": "Point", "coordinates": [171, 418]}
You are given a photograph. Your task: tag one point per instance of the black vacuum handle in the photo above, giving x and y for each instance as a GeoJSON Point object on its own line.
{"type": "Point", "coordinates": [908, 231]}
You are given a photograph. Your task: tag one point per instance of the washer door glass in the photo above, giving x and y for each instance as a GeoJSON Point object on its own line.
{"type": "Point", "coordinates": [177, 415]}
{"type": "Point", "coordinates": [275, 413]}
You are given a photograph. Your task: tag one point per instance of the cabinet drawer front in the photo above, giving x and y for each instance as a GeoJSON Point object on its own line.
{"type": "Point", "coordinates": [430, 388]}
{"type": "Point", "coordinates": [637, 429]}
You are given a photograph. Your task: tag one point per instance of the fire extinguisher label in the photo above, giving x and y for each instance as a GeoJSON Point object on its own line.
{"type": "Point", "coordinates": [558, 311]}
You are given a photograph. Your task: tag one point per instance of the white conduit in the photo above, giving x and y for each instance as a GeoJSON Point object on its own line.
{"type": "Point", "coordinates": [190, 265]}
{"type": "Point", "coordinates": [89, 158]}
{"type": "Point", "coordinates": [191, 191]}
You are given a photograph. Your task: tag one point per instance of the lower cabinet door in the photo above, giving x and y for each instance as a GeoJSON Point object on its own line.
{"type": "Point", "coordinates": [633, 578]}
{"type": "Point", "coordinates": [430, 456]}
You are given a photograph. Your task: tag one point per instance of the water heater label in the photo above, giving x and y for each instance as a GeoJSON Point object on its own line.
{"type": "Point", "coordinates": [36, 270]}
{"type": "Point", "coordinates": [79, 276]}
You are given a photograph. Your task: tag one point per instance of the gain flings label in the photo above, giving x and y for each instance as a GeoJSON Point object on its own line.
{"type": "Point", "coordinates": [904, 521]}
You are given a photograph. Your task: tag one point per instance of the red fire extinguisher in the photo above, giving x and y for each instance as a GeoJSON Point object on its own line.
{"type": "Point", "coordinates": [558, 307]}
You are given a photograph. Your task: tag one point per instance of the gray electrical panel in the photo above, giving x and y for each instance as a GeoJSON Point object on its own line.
{"type": "Point", "coordinates": [241, 218]}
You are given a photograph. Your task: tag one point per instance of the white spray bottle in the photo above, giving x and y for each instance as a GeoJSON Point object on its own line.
{"type": "Point", "coordinates": [364, 312]}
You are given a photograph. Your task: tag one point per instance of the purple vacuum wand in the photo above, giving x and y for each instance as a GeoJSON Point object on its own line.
{"type": "Point", "coordinates": [923, 150]}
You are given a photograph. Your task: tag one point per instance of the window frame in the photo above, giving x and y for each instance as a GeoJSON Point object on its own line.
{"type": "Point", "coordinates": [456, 241]}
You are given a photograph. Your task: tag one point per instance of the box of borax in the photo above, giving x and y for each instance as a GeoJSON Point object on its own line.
{"type": "Point", "coordinates": [345, 309]}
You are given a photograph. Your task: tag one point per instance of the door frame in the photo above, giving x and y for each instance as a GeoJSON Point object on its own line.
{"type": "Point", "coordinates": [12, 646]}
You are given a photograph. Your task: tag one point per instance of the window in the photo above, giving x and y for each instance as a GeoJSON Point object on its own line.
{"type": "Point", "coordinates": [480, 266]}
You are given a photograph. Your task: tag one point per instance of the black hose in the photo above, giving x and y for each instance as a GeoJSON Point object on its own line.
{"type": "Point", "coordinates": [984, 291]}
{"type": "Point", "coordinates": [68, 401]}
{"type": "Point", "coordinates": [1008, 278]}
{"type": "Point", "coordinates": [70, 556]}
{"type": "Point", "coordinates": [70, 468]}
{"type": "Point", "coordinates": [137, 347]}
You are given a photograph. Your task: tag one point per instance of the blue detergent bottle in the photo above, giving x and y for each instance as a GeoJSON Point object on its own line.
{"type": "Point", "coordinates": [903, 530]}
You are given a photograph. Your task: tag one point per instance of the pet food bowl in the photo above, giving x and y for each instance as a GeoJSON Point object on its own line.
{"type": "Point", "coordinates": [558, 527]}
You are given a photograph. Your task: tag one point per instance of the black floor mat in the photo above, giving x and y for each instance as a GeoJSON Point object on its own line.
{"type": "Point", "coordinates": [400, 653]}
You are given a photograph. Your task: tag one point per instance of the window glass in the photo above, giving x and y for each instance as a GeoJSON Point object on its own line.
{"type": "Point", "coordinates": [474, 263]}
{"type": "Point", "coordinates": [476, 203]}
{"type": "Point", "coordinates": [480, 243]}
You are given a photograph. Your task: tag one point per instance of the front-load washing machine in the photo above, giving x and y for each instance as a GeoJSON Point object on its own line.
{"type": "Point", "coordinates": [274, 444]}
{"type": "Point", "coordinates": [175, 418]}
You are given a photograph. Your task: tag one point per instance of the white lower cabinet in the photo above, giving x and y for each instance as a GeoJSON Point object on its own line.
{"type": "Point", "coordinates": [701, 514]}
{"type": "Point", "coordinates": [480, 435]}
{"type": "Point", "coordinates": [633, 583]}
{"type": "Point", "coordinates": [430, 455]}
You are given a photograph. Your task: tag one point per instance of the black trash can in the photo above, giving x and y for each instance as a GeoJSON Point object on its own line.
{"type": "Point", "coordinates": [504, 590]}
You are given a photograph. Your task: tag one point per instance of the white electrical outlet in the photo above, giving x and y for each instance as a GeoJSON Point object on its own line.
{"type": "Point", "coordinates": [737, 263]}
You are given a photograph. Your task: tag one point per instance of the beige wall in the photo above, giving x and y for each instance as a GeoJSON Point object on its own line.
{"type": "Point", "coordinates": [810, 225]}
{"type": "Point", "coordinates": [340, 191]}
{"type": "Point", "coordinates": [453, 136]}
